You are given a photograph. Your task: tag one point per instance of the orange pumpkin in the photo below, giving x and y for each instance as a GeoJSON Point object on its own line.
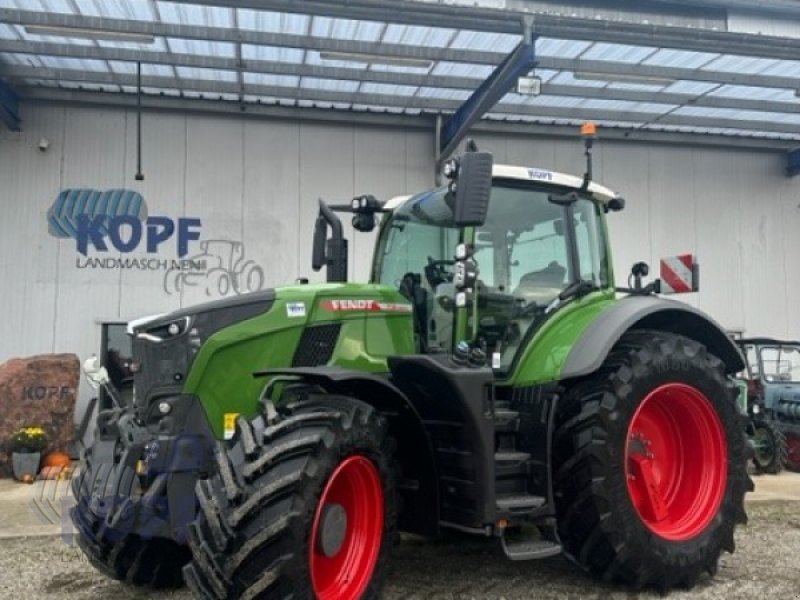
{"type": "Point", "coordinates": [57, 459]}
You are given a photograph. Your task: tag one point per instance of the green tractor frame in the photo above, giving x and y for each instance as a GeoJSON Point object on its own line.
{"type": "Point", "coordinates": [488, 379]}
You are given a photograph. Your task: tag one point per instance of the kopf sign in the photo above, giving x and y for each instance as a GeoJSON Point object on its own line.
{"type": "Point", "coordinates": [158, 230]}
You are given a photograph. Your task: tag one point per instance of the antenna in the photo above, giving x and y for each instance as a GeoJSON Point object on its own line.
{"type": "Point", "coordinates": [589, 135]}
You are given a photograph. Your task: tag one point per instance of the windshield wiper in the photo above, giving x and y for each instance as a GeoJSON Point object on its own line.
{"type": "Point", "coordinates": [576, 289]}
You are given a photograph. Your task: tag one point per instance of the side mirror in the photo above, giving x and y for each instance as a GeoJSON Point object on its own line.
{"type": "Point", "coordinates": [96, 374]}
{"type": "Point", "coordinates": [318, 248]}
{"type": "Point", "coordinates": [473, 186]}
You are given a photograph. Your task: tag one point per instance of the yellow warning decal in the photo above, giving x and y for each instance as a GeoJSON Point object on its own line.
{"type": "Point", "coordinates": [229, 426]}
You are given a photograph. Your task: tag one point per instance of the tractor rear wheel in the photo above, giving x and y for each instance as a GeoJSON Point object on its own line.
{"type": "Point", "coordinates": [769, 447]}
{"type": "Point", "coordinates": [306, 510]}
{"type": "Point", "coordinates": [650, 464]}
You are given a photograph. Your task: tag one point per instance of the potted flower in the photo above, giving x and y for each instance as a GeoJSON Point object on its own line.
{"type": "Point", "coordinates": [26, 451]}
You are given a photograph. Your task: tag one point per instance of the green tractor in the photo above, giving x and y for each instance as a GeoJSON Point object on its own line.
{"type": "Point", "coordinates": [488, 380]}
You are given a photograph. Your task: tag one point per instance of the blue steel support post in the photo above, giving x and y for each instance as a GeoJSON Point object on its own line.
{"type": "Point", "coordinates": [9, 107]}
{"type": "Point", "coordinates": [793, 163]}
{"type": "Point", "coordinates": [515, 65]}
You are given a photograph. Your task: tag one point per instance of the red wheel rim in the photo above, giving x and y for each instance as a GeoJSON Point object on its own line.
{"type": "Point", "coordinates": [354, 486]}
{"type": "Point", "coordinates": [676, 461]}
{"type": "Point", "coordinates": [793, 452]}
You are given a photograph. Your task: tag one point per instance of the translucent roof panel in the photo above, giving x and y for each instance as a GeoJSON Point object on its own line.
{"type": "Point", "coordinates": [140, 10]}
{"type": "Point", "coordinates": [80, 64]}
{"type": "Point", "coordinates": [414, 35]}
{"type": "Point", "coordinates": [626, 106]}
{"type": "Point", "coordinates": [212, 74]}
{"type": "Point", "coordinates": [7, 32]}
{"type": "Point", "coordinates": [265, 79]}
{"type": "Point", "coordinates": [193, 14]}
{"type": "Point", "coordinates": [159, 44]}
{"type": "Point", "coordinates": [272, 22]}
{"type": "Point", "coordinates": [480, 40]}
{"type": "Point", "coordinates": [57, 6]}
{"type": "Point", "coordinates": [618, 52]}
{"type": "Point", "coordinates": [332, 85]}
{"type": "Point", "coordinates": [347, 29]}
{"type": "Point", "coordinates": [28, 60]}
{"type": "Point", "coordinates": [202, 47]}
{"type": "Point", "coordinates": [692, 88]}
{"type": "Point", "coordinates": [129, 68]}
{"type": "Point", "coordinates": [560, 48]}
{"type": "Point", "coordinates": [479, 72]}
{"type": "Point", "coordinates": [687, 59]}
{"type": "Point", "coordinates": [400, 69]}
{"type": "Point", "coordinates": [388, 89]}
{"type": "Point", "coordinates": [444, 94]}
{"type": "Point", "coordinates": [272, 53]}
{"type": "Point", "coordinates": [636, 87]}
{"type": "Point", "coordinates": [756, 93]}
{"type": "Point", "coordinates": [569, 78]}
{"type": "Point", "coordinates": [740, 64]}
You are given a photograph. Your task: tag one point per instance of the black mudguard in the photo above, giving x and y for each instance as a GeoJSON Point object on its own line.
{"type": "Point", "coordinates": [418, 477]}
{"type": "Point", "coordinates": [648, 312]}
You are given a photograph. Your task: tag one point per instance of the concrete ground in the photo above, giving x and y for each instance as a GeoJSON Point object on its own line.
{"type": "Point", "coordinates": [35, 562]}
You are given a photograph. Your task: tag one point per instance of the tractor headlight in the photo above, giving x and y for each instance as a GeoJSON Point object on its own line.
{"type": "Point", "coordinates": [756, 409]}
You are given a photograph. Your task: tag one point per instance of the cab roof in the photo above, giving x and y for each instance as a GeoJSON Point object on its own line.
{"type": "Point", "coordinates": [600, 192]}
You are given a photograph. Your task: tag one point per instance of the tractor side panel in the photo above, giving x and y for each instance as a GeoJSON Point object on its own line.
{"type": "Point", "coordinates": [542, 359]}
{"type": "Point", "coordinates": [353, 326]}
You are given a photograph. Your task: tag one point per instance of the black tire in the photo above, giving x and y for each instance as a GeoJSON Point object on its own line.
{"type": "Point", "coordinates": [791, 434]}
{"type": "Point", "coordinates": [103, 535]}
{"type": "Point", "coordinates": [771, 459]}
{"type": "Point", "coordinates": [251, 538]}
{"type": "Point", "coordinates": [600, 526]}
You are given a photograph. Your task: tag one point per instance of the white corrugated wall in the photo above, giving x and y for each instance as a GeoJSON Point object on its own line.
{"type": "Point", "coordinates": [257, 181]}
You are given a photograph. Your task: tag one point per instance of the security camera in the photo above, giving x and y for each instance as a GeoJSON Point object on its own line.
{"type": "Point", "coordinates": [44, 144]}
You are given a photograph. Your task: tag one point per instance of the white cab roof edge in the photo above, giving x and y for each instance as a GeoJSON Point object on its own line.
{"type": "Point", "coordinates": [600, 192]}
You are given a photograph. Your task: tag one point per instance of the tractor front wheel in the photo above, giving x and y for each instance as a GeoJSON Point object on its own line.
{"type": "Point", "coordinates": [769, 447]}
{"type": "Point", "coordinates": [305, 509]}
{"type": "Point", "coordinates": [650, 464]}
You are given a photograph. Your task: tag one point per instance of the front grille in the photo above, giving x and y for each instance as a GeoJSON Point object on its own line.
{"type": "Point", "coordinates": [316, 345]}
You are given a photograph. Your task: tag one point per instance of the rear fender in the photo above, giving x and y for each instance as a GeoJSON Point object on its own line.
{"type": "Point", "coordinates": [418, 477]}
{"type": "Point", "coordinates": [648, 312]}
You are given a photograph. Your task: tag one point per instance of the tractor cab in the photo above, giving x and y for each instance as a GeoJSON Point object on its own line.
{"type": "Point", "coordinates": [542, 242]}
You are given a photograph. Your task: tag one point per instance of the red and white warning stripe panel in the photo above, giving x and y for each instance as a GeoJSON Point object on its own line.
{"type": "Point", "coordinates": [361, 305]}
{"type": "Point", "coordinates": [679, 274]}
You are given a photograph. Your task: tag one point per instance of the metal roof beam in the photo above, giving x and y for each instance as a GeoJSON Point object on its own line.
{"type": "Point", "coordinates": [482, 100]}
{"type": "Point", "coordinates": [422, 103]}
{"type": "Point", "coordinates": [545, 26]}
{"type": "Point", "coordinates": [383, 118]}
{"type": "Point", "coordinates": [340, 73]}
{"type": "Point", "coordinates": [392, 50]}
{"type": "Point", "coordinates": [508, 20]}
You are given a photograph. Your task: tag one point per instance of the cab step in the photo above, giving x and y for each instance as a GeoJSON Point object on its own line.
{"type": "Point", "coordinates": [522, 503]}
{"type": "Point", "coordinates": [506, 421]}
{"type": "Point", "coordinates": [529, 549]}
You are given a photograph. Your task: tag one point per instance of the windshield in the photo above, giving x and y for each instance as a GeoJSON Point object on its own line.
{"type": "Point", "coordinates": [522, 255]}
{"type": "Point", "coordinates": [780, 363]}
